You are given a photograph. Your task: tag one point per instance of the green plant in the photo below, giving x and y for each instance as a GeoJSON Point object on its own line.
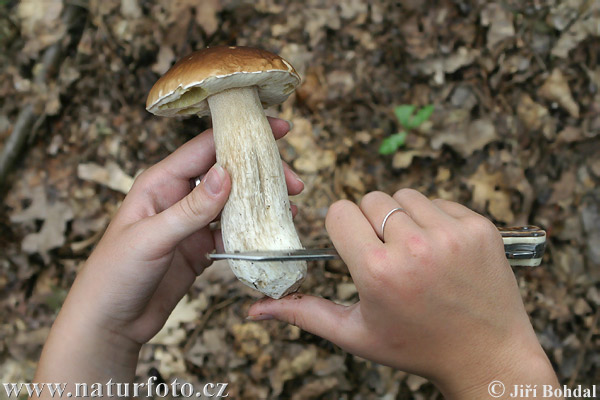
{"type": "Point", "coordinates": [408, 120]}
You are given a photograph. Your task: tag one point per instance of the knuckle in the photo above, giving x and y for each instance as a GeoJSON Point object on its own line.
{"type": "Point", "coordinates": [142, 180]}
{"type": "Point", "coordinates": [297, 319]}
{"type": "Point", "coordinates": [371, 198]}
{"type": "Point", "coordinates": [405, 193]}
{"type": "Point", "coordinates": [377, 262]}
{"type": "Point", "coordinates": [336, 211]}
{"type": "Point", "coordinates": [482, 226]}
{"type": "Point", "coordinates": [420, 249]}
{"type": "Point", "coordinates": [450, 240]}
{"type": "Point", "coordinates": [191, 207]}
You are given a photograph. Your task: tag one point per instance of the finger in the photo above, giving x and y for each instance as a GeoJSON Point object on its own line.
{"type": "Point", "coordinates": [294, 184]}
{"type": "Point", "coordinates": [353, 237]}
{"type": "Point", "coordinates": [168, 292]}
{"type": "Point", "coordinates": [279, 126]}
{"type": "Point", "coordinates": [419, 208]}
{"type": "Point", "coordinates": [190, 214]}
{"type": "Point", "coordinates": [334, 322]}
{"type": "Point", "coordinates": [218, 240]}
{"type": "Point", "coordinates": [453, 209]}
{"type": "Point", "coordinates": [376, 206]}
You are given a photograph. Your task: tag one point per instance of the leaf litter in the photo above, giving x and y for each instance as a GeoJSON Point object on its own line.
{"type": "Point", "coordinates": [514, 135]}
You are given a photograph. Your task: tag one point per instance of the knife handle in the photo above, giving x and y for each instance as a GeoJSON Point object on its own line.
{"type": "Point", "coordinates": [524, 245]}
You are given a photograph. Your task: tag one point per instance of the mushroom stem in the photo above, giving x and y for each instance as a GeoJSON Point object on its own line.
{"type": "Point", "coordinates": [257, 215]}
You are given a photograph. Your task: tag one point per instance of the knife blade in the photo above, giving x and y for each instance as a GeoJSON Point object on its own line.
{"type": "Point", "coordinates": [523, 246]}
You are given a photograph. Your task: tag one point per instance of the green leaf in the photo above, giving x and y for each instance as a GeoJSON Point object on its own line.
{"type": "Point", "coordinates": [403, 114]}
{"type": "Point", "coordinates": [422, 115]}
{"type": "Point", "coordinates": [392, 143]}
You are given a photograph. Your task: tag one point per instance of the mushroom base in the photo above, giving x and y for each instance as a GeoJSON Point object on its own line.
{"type": "Point", "coordinates": [257, 215]}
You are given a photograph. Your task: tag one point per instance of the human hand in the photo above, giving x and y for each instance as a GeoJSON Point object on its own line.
{"type": "Point", "coordinates": [437, 297]}
{"type": "Point", "coordinates": [149, 256]}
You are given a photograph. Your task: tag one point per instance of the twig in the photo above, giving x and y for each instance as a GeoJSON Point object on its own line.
{"type": "Point", "coordinates": [29, 119]}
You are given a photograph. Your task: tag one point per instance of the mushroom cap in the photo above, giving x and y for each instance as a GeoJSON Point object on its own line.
{"type": "Point", "coordinates": [183, 89]}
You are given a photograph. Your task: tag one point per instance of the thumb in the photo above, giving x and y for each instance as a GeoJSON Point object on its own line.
{"type": "Point", "coordinates": [194, 212]}
{"type": "Point", "coordinates": [337, 323]}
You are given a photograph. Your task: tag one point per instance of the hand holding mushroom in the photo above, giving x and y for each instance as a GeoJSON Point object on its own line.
{"type": "Point", "coordinates": [147, 260]}
{"type": "Point", "coordinates": [232, 84]}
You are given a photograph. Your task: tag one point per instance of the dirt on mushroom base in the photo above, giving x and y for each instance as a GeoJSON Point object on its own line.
{"type": "Point", "coordinates": [358, 60]}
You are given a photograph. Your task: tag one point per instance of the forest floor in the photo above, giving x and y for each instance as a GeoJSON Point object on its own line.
{"type": "Point", "coordinates": [514, 135]}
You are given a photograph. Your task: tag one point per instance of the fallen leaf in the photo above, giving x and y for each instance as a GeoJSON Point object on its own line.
{"type": "Point", "coordinates": [532, 114]}
{"type": "Point", "coordinates": [40, 24]}
{"type": "Point", "coordinates": [587, 24]}
{"type": "Point", "coordinates": [111, 175]}
{"type": "Point", "coordinates": [556, 88]}
{"type": "Point", "coordinates": [414, 382]}
{"type": "Point", "coordinates": [330, 365]}
{"type": "Point", "coordinates": [52, 233]}
{"type": "Point", "coordinates": [345, 290]}
{"type": "Point", "coordinates": [500, 22]}
{"type": "Point", "coordinates": [131, 9]}
{"type": "Point", "coordinates": [440, 66]}
{"type": "Point", "coordinates": [466, 137]}
{"type": "Point", "coordinates": [164, 59]}
{"type": "Point", "coordinates": [250, 338]}
{"type": "Point", "coordinates": [316, 388]}
{"type": "Point", "coordinates": [187, 310]}
{"type": "Point", "coordinates": [488, 193]}
{"type": "Point", "coordinates": [287, 370]}
{"type": "Point", "coordinates": [207, 15]}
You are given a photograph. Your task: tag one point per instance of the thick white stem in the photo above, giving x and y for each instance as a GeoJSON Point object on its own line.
{"type": "Point", "coordinates": [257, 215]}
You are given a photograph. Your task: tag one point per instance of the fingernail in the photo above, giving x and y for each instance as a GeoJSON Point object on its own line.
{"type": "Point", "coordinates": [290, 123]}
{"type": "Point", "coordinates": [296, 176]}
{"type": "Point", "coordinates": [213, 181]}
{"type": "Point", "coordinates": [259, 317]}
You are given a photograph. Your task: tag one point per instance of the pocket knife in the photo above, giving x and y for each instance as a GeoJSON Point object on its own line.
{"type": "Point", "coordinates": [523, 246]}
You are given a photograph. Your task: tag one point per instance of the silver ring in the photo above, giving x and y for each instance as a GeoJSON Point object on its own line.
{"type": "Point", "coordinates": [386, 218]}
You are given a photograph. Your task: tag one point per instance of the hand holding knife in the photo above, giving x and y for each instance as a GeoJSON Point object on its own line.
{"type": "Point", "coordinates": [523, 246]}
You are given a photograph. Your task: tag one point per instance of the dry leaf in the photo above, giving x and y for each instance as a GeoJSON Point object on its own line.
{"type": "Point", "coordinates": [40, 24]}
{"type": "Point", "coordinates": [112, 176]}
{"type": "Point", "coordinates": [440, 66]}
{"type": "Point", "coordinates": [414, 382]}
{"type": "Point", "coordinates": [557, 89]}
{"type": "Point", "coordinates": [206, 15]}
{"type": "Point", "coordinates": [488, 193]}
{"type": "Point", "coordinates": [532, 114]}
{"type": "Point", "coordinates": [500, 22]}
{"type": "Point", "coordinates": [186, 311]}
{"type": "Point", "coordinates": [52, 233]}
{"type": "Point", "coordinates": [164, 59]}
{"type": "Point", "coordinates": [345, 290]}
{"type": "Point", "coordinates": [316, 388]}
{"type": "Point", "coordinates": [330, 365]}
{"type": "Point", "coordinates": [466, 137]}
{"type": "Point", "coordinates": [586, 25]}
{"type": "Point", "coordinates": [131, 9]}
{"type": "Point", "coordinates": [250, 338]}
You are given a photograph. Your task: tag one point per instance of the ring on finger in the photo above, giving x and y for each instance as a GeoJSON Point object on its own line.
{"type": "Point", "coordinates": [387, 216]}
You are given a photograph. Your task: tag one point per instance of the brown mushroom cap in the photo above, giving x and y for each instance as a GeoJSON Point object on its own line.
{"type": "Point", "coordinates": [183, 89]}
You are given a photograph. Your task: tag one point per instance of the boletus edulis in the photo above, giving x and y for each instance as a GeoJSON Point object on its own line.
{"type": "Point", "coordinates": [233, 85]}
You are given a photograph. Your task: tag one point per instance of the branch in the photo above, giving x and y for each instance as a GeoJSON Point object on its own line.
{"type": "Point", "coordinates": [28, 119]}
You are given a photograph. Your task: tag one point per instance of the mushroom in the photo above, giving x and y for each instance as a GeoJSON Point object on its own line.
{"type": "Point", "coordinates": [232, 85]}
